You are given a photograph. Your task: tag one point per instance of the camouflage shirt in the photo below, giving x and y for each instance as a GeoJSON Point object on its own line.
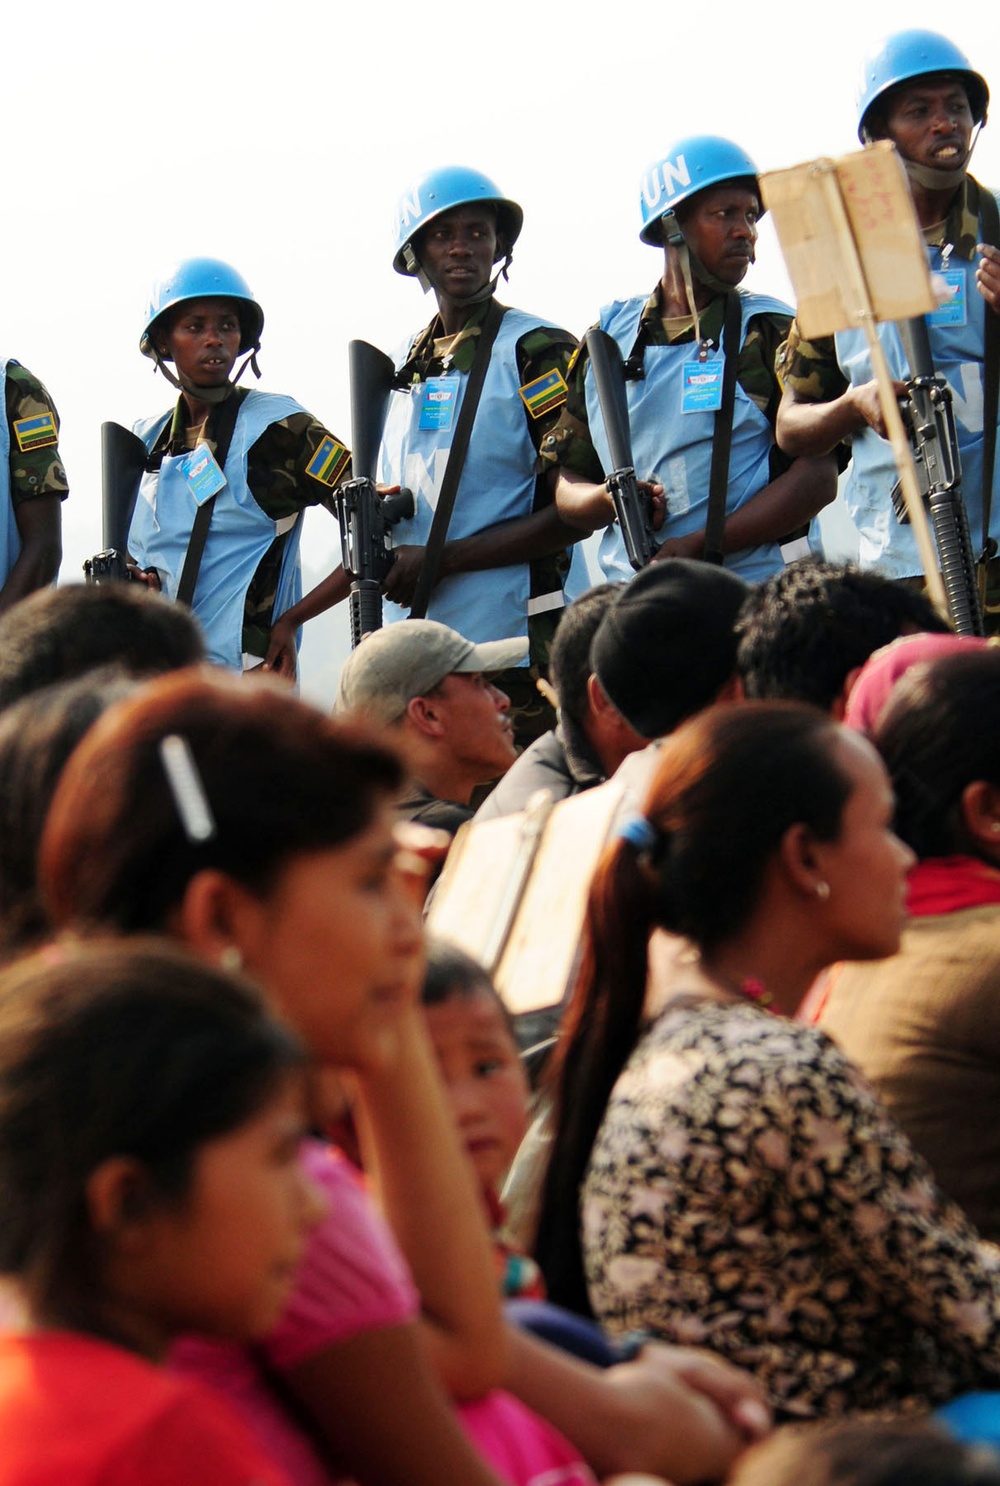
{"type": "Point", "coordinates": [35, 466]}
{"type": "Point", "coordinates": [569, 444]}
{"type": "Point", "coordinates": [281, 482]}
{"type": "Point", "coordinates": [811, 368]}
{"type": "Point", "coordinates": [540, 353]}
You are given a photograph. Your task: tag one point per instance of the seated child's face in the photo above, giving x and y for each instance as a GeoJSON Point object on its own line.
{"type": "Point", "coordinates": [486, 1082]}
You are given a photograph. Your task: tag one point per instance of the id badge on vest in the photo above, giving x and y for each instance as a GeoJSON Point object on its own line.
{"type": "Point", "coordinates": [954, 310]}
{"type": "Point", "coordinates": [201, 473]}
{"type": "Point", "coordinates": [702, 388]}
{"type": "Point", "coordinates": [438, 400]}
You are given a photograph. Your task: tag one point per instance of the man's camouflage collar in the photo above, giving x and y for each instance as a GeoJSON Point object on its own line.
{"type": "Point", "coordinates": [174, 436]}
{"type": "Point", "coordinates": [961, 226]}
{"type": "Point", "coordinates": [651, 326]}
{"type": "Point", "coordinates": [422, 362]}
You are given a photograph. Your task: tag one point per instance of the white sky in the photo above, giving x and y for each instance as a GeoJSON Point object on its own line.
{"type": "Point", "coordinates": [278, 137]}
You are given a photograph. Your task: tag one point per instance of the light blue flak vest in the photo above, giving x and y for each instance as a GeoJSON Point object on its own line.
{"type": "Point", "coordinates": [675, 449]}
{"type": "Point", "coordinates": [238, 537]}
{"type": "Point", "coordinates": [958, 357]}
{"type": "Point", "coordinates": [497, 484]}
{"type": "Point", "coordinates": [10, 537]}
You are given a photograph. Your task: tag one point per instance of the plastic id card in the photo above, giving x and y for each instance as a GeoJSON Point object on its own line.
{"type": "Point", "coordinates": [201, 473]}
{"type": "Point", "coordinates": [702, 391]}
{"type": "Point", "coordinates": [437, 404]}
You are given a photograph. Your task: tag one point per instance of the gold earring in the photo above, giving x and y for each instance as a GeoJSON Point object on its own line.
{"type": "Point", "coordinates": [231, 959]}
{"type": "Point", "coordinates": [822, 890]}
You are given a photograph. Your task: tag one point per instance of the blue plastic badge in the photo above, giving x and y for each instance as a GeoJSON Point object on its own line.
{"type": "Point", "coordinates": [437, 405]}
{"type": "Point", "coordinates": [201, 473]}
{"type": "Point", "coordinates": [702, 386]}
{"type": "Point", "coordinates": [953, 310]}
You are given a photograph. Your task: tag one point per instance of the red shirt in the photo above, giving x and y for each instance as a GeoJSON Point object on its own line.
{"type": "Point", "coordinates": [78, 1412]}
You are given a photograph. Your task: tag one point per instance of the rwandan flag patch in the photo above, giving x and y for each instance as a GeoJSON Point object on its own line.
{"type": "Point", "coordinates": [36, 433]}
{"type": "Point", "coordinates": [329, 462]}
{"type": "Point", "coordinates": [544, 393]}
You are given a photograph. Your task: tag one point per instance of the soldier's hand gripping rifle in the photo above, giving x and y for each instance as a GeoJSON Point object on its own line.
{"type": "Point", "coordinates": [123, 460]}
{"type": "Point", "coordinates": [632, 507]}
{"type": "Point", "coordinates": [929, 417]}
{"type": "Point", "coordinates": [366, 518]}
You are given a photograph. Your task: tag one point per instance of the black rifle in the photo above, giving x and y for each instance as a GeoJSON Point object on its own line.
{"type": "Point", "coordinates": [366, 517]}
{"type": "Point", "coordinates": [632, 508]}
{"type": "Point", "coordinates": [123, 460]}
{"type": "Point", "coordinates": [929, 417]}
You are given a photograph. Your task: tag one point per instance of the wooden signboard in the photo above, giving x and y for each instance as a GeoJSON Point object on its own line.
{"type": "Point", "coordinates": [513, 893]}
{"type": "Point", "coordinates": [883, 245]}
{"type": "Point", "coordinates": [850, 237]}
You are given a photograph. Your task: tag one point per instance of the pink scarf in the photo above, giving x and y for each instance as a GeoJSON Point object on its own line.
{"type": "Point", "coordinates": [949, 884]}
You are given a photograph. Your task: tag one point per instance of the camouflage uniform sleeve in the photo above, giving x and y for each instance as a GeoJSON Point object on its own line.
{"type": "Point", "coordinates": [35, 465]}
{"type": "Point", "coordinates": [296, 463]}
{"type": "Point", "coordinates": [568, 443]}
{"type": "Point", "coordinates": [543, 356]}
{"type": "Point", "coordinates": [810, 368]}
{"type": "Point", "coordinates": [756, 374]}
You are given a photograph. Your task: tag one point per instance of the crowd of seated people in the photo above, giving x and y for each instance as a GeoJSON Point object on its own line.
{"type": "Point", "coordinates": [254, 1129]}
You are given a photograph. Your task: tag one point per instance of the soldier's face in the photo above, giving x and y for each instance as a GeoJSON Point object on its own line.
{"type": "Point", "coordinates": [203, 339]}
{"type": "Point", "coordinates": [457, 251]}
{"type": "Point", "coordinates": [930, 122]}
{"type": "Point", "coordinates": [721, 229]}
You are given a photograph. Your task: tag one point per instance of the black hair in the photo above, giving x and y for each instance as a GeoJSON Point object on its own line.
{"type": "Point", "coordinates": [115, 1048]}
{"type": "Point", "coordinates": [58, 633]}
{"type": "Point", "coordinates": [279, 778]}
{"type": "Point", "coordinates": [37, 736]}
{"type": "Point", "coordinates": [452, 975]}
{"type": "Point", "coordinates": [803, 631]}
{"type": "Point", "coordinates": [938, 733]}
{"type": "Point", "coordinates": [869, 1452]}
{"type": "Point", "coordinates": [569, 656]}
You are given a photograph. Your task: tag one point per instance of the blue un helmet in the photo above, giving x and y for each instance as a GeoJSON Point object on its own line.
{"type": "Point", "coordinates": [203, 278]}
{"type": "Point", "coordinates": [688, 166]}
{"type": "Point", "coordinates": [909, 55]}
{"type": "Point", "coordinates": [439, 191]}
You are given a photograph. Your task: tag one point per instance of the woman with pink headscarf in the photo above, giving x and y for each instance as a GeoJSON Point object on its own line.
{"type": "Point", "coordinates": [925, 1024]}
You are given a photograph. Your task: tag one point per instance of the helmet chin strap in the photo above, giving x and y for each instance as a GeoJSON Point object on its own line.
{"type": "Point", "coordinates": [486, 292]}
{"type": "Point", "coordinates": [691, 268]}
{"type": "Point", "coordinates": [208, 395]}
{"type": "Point", "coordinates": [938, 180]}
{"type": "Point", "coordinates": [935, 180]}
{"type": "Point", "coordinates": [414, 268]}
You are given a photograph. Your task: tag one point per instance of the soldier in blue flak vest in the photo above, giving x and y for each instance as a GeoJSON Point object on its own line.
{"type": "Point", "coordinates": [229, 469]}
{"type": "Point", "coordinates": [700, 204]}
{"type": "Point", "coordinates": [499, 574]}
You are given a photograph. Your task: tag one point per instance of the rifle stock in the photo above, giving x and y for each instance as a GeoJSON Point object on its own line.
{"type": "Point", "coordinates": [929, 416]}
{"type": "Point", "coordinates": [123, 460]}
{"type": "Point", "coordinates": [365, 517]}
{"type": "Point", "coordinates": [632, 508]}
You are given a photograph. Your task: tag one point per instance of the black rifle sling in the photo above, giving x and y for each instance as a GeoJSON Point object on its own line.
{"type": "Point", "coordinates": [203, 519]}
{"type": "Point", "coordinates": [456, 459]}
{"type": "Point", "coordinates": [991, 365]}
{"type": "Point", "coordinates": [722, 437]}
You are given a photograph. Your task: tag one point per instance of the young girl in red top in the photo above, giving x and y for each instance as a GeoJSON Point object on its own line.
{"type": "Point", "coordinates": [151, 1113]}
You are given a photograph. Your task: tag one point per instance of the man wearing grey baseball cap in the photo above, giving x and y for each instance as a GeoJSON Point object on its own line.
{"type": "Point", "coordinates": [431, 686]}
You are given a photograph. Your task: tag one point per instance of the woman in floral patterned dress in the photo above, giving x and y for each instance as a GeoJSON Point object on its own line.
{"type": "Point", "coordinates": [722, 1175]}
